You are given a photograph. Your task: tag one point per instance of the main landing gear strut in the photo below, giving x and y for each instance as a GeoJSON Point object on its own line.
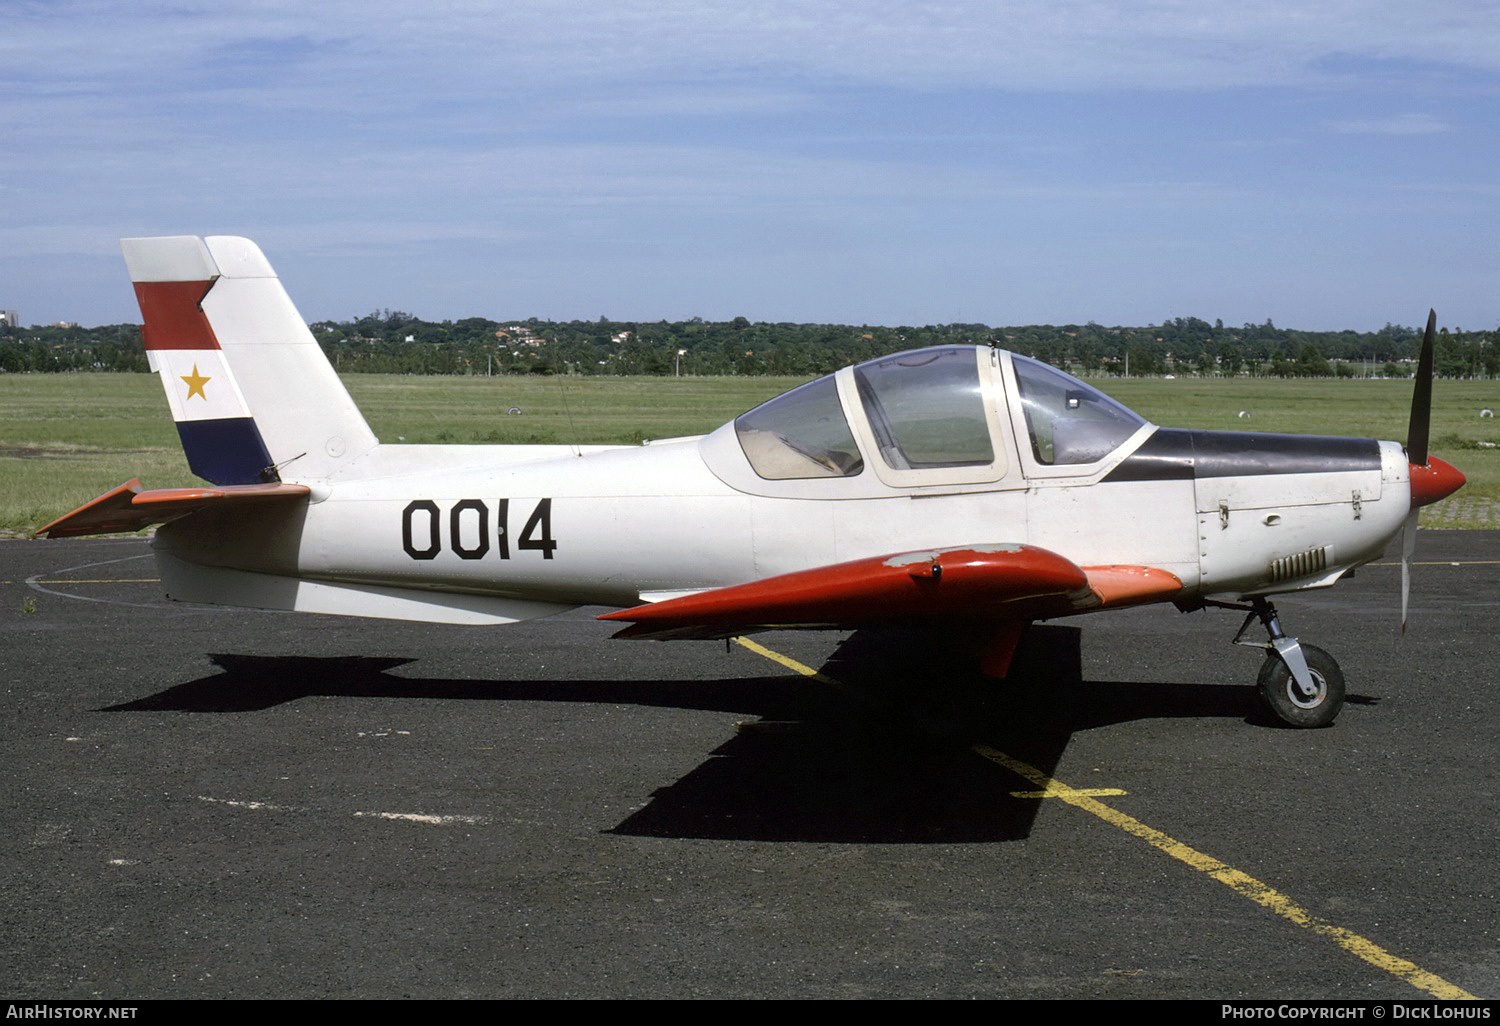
{"type": "Point", "coordinates": [1301, 684]}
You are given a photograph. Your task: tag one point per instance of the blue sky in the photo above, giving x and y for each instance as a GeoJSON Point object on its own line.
{"type": "Point", "coordinates": [1326, 165]}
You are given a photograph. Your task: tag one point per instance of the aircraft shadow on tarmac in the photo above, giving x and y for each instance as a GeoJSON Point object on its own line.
{"type": "Point", "coordinates": [888, 757]}
{"type": "Point", "coordinates": [892, 759]}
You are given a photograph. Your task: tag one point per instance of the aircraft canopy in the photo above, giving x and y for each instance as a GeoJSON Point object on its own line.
{"type": "Point", "coordinates": [938, 410]}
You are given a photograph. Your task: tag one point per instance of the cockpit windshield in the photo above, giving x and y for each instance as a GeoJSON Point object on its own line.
{"type": "Point", "coordinates": [1069, 422]}
{"type": "Point", "coordinates": [926, 409]}
{"type": "Point", "coordinates": [800, 434]}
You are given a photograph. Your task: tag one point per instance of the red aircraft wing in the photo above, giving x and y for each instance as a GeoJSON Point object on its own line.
{"type": "Point", "coordinates": [1003, 583]}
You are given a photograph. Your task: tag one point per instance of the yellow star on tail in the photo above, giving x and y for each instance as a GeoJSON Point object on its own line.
{"type": "Point", "coordinates": [195, 383]}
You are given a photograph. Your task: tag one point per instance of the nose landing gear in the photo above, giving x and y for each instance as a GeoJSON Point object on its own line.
{"type": "Point", "coordinates": [1300, 684]}
{"type": "Point", "coordinates": [1297, 705]}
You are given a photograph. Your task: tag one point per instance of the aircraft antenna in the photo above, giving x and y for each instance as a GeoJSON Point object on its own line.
{"type": "Point", "coordinates": [568, 412]}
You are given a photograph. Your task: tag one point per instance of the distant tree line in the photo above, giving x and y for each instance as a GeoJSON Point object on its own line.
{"type": "Point", "coordinates": [112, 347]}
{"type": "Point", "coordinates": [394, 342]}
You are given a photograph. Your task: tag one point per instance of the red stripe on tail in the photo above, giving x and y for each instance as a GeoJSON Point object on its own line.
{"type": "Point", "coordinates": [174, 320]}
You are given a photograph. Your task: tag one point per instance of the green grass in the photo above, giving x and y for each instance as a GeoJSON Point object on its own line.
{"type": "Point", "coordinates": [65, 438]}
{"type": "Point", "coordinates": [585, 410]}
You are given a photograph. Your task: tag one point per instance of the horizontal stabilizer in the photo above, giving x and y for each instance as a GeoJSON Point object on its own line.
{"type": "Point", "coordinates": [130, 508]}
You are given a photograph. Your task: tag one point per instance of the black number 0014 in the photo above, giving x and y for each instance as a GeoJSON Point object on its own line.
{"type": "Point", "coordinates": [468, 529]}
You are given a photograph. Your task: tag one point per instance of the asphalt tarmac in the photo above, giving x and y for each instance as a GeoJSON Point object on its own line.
{"type": "Point", "coordinates": [211, 803]}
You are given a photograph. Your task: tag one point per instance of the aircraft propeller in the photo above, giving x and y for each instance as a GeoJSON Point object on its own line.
{"type": "Point", "coordinates": [1431, 479]}
{"type": "Point", "coordinates": [1419, 427]}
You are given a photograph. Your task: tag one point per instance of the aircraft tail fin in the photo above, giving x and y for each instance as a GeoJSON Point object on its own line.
{"type": "Point", "coordinates": [253, 396]}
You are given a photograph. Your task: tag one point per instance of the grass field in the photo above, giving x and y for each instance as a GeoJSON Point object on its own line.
{"type": "Point", "coordinates": [65, 438]}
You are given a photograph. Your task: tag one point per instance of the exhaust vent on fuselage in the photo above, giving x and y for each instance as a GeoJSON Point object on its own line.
{"type": "Point", "coordinates": [1302, 564]}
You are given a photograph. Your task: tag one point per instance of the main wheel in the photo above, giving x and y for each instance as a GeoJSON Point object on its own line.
{"type": "Point", "coordinates": [1280, 692]}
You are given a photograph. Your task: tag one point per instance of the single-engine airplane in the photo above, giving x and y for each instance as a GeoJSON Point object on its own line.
{"type": "Point", "coordinates": [960, 485]}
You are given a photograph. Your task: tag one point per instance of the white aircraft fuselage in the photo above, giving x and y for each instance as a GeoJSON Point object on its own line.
{"type": "Point", "coordinates": [618, 525]}
{"type": "Point", "coordinates": [955, 484]}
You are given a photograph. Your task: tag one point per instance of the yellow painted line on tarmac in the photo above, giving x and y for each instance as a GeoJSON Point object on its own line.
{"type": "Point", "coordinates": [791, 664]}
{"type": "Point", "coordinates": [1447, 562]}
{"type": "Point", "coordinates": [1091, 792]}
{"type": "Point", "coordinates": [1241, 883]}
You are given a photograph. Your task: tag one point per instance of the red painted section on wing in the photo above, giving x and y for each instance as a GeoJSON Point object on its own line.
{"type": "Point", "coordinates": [173, 319]}
{"type": "Point", "coordinates": [1010, 582]}
{"type": "Point", "coordinates": [1131, 585]}
{"type": "Point", "coordinates": [128, 508]}
{"type": "Point", "coordinates": [1438, 480]}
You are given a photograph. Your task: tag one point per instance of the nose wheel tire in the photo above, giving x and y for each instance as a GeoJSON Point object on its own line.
{"type": "Point", "coordinates": [1284, 697]}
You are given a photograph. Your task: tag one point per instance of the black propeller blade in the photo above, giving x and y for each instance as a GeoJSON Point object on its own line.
{"type": "Point", "coordinates": [1417, 432]}
{"type": "Point", "coordinates": [1418, 429]}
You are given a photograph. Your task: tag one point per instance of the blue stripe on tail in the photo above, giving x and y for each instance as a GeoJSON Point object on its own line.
{"type": "Point", "coordinates": [226, 452]}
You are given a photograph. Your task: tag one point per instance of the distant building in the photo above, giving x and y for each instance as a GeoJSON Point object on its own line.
{"type": "Point", "coordinates": [9, 319]}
